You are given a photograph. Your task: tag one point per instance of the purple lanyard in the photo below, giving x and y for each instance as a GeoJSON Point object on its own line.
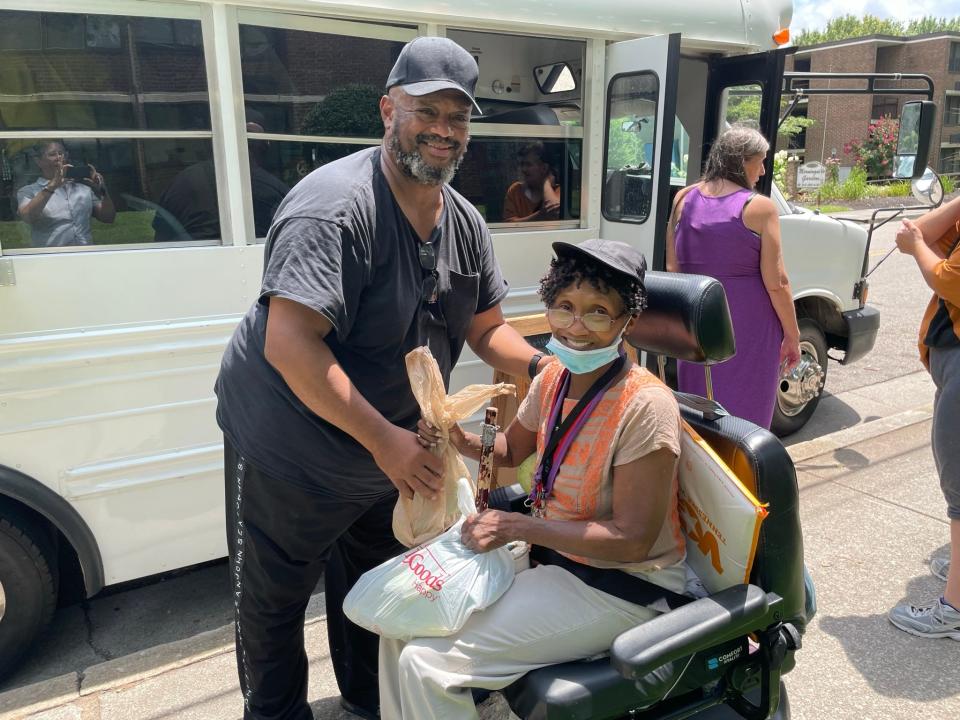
{"type": "Point", "coordinates": [562, 435]}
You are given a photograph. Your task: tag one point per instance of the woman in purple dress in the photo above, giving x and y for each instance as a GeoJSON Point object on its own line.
{"type": "Point", "coordinates": [722, 228]}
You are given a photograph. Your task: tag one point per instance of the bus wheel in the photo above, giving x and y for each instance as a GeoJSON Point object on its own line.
{"type": "Point", "coordinates": [27, 590]}
{"type": "Point", "coordinates": [800, 391]}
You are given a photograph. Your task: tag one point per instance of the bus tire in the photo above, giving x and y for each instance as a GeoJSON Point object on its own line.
{"type": "Point", "coordinates": [27, 589]}
{"type": "Point", "coordinates": [799, 393]}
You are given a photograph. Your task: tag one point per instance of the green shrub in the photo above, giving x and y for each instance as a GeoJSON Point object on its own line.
{"type": "Point", "coordinates": [948, 184]}
{"type": "Point", "coordinates": [855, 186]}
{"type": "Point", "coordinates": [875, 153]}
{"type": "Point", "coordinates": [349, 110]}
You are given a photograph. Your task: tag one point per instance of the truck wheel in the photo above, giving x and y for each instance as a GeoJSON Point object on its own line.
{"type": "Point", "coordinates": [27, 589]}
{"type": "Point", "coordinates": [799, 392]}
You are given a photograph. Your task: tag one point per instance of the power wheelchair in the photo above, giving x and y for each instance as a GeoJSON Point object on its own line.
{"type": "Point", "coordinates": [721, 656]}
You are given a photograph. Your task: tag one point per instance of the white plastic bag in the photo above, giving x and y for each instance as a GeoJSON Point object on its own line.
{"type": "Point", "coordinates": [419, 519]}
{"type": "Point", "coordinates": [431, 590]}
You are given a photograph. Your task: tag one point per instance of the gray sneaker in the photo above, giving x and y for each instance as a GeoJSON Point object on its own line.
{"type": "Point", "coordinates": [934, 621]}
{"type": "Point", "coordinates": [940, 567]}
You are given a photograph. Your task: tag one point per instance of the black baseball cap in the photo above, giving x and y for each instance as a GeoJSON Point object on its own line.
{"type": "Point", "coordinates": [617, 256]}
{"type": "Point", "coordinates": [430, 64]}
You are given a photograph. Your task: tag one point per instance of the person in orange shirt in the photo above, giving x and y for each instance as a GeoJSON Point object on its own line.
{"type": "Point", "coordinates": [605, 528]}
{"type": "Point", "coordinates": [537, 196]}
{"type": "Point", "coordinates": [933, 243]}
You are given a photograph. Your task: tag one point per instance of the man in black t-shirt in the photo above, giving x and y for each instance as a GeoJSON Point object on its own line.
{"type": "Point", "coordinates": [368, 257]}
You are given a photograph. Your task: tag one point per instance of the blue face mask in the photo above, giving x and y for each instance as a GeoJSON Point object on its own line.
{"type": "Point", "coordinates": [580, 362]}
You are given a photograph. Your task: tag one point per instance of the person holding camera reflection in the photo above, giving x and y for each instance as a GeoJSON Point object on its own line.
{"type": "Point", "coordinates": [537, 196]}
{"type": "Point", "coordinates": [59, 204]}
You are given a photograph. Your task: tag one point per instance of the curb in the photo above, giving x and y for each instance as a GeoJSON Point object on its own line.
{"type": "Point", "coordinates": [126, 670]}
{"type": "Point", "coordinates": [859, 433]}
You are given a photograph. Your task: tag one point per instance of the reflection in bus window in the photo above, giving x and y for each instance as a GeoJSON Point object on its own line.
{"type": "Point", "coordinates": [276, 166]}
{"type": "Point", "coordinates": [536, 195]}
{"type": "Point", "coordinates": [58, 205]}
{"type": "Point", "coordinates": [631, 135]}
{"type": "Point", "coordinates": [287, 73]}
{"type": "Point", "coordinates": [63, 71]}
{"type": "Point", "coordinates": [188, 207]}
{"type": "Point", "coordinates": [489, 175]}
{"type": "Point", "coordinates": [136, 172]}
{"type": "Point", "coordinates": [740, 104]}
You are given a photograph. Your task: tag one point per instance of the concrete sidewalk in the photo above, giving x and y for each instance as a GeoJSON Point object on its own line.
{"type": "Point", "coordinates": [872, 515]}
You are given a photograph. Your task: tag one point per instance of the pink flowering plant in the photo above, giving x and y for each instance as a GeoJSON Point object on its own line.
{"type": "Point", "coordinates": [875, 153]}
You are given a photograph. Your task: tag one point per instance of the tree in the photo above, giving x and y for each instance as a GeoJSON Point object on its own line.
{"type": "Point", "coordinates": [930, 24]}
{"type": "Point", "coordinates": [850, 26]}
{"type": "Point", "coordinates": [845, 27]}
{"type": "Point", "coordinates": [746, 109]}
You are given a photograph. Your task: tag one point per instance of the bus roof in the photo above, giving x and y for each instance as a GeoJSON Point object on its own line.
{"type": "Point", "coordinates": [721, 25]}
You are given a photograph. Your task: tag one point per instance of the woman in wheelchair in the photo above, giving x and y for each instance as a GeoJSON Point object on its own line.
{"type": "Point", "coordinates": [607, 546]}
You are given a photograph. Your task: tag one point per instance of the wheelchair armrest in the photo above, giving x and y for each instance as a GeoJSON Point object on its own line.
{"type": "Point", "coordinates": [689, 629]}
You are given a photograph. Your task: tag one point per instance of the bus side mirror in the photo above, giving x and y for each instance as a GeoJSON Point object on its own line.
{"type": "Point", "coordinates": [913, 139]}
{"type": "Point", "coordinates": [555, 78]}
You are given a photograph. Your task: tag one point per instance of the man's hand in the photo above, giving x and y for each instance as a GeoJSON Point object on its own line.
{"type": "Point", "coordinates": [410, 467]}
{"type": "Point", "coordinates": [909, 237]}
{"type": "Point", "coordinates": [489, 530]}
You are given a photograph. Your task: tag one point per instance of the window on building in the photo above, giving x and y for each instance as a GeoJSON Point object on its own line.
{"type": "Point", "coordinates": [950, 161]}
{"type": "Point", "coordinates": [951, 110]}
{"type": "Point", "coordinates": [93, 99]}
{"type": "Point", "coordinates": [884, 106]}
{"type": "Point", "coordinates": [629, 149]}
{"type": "Point", "coordinates": [955, 57]}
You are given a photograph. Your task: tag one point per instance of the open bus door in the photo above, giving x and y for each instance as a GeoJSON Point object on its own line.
{"type": "Point", "coordinates": [639, 112]}
{"type": "Point", "coordinates": [745, 76]}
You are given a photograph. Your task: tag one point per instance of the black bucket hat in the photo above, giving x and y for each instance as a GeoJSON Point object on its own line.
{"type": "Point", "coordinates": [430, 64]}
{"type": "Point", "coordinates": [612, 254]}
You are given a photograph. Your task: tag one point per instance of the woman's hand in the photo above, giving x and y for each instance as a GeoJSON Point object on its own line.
{"type": "Point", "coordinates": [489, 530]}
{"type": "Point", "coordinates": [909, 237]}
{"type": "Point", "coordinates": [427, 434]}
{"type": "Point", "coordinates": [789, 353]}
{"type": "Point", "coordinates": [96, 182]}
{"type": "Point", "coordinates": [430, 436]}
{"type": "Point", "coordinates": [59, 177]}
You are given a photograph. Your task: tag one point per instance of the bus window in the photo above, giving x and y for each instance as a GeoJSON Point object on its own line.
{"type": "Point", "coordinates": [524, 161]}
{"type": "Point", "coordinates": [90, 83]}
{"type": "Point", "coordinates": [309, 78]}
{"type": "Point", "coordinates": [629, 154]}
{"type": "Point", "coordinates": [505, 179]}
{"type": "Point", "coordinates": [740, 104]}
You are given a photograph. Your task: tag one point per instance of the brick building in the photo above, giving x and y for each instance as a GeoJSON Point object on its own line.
{"type": "Point", "coordinates": [841, 118]}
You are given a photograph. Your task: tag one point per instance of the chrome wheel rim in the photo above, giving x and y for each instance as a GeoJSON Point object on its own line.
{"type": "Point", "coordinates": [802, 384]}
{"type": "Point", "coordinates": [3, 601]}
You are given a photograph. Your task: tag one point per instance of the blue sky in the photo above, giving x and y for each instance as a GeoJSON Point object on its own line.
{"type": "Point", "coordinates": [814, 14]}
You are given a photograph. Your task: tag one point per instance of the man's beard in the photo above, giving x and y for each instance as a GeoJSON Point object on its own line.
{"type": "Point", "coordinates": [415, 167]}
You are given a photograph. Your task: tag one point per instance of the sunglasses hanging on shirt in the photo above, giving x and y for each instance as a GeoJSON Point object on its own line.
{"type": "Point", "coordinates": [428, 262]}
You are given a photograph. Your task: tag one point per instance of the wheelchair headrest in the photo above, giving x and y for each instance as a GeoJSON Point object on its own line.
{"type": "Point", "coordinates": [686, 318]}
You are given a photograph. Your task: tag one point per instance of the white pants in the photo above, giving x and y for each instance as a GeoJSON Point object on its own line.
{"type": "Point", "coordinates": [547, 616]}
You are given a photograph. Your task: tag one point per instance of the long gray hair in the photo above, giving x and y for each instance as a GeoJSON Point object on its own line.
{"type": "Point", "coordinates": [729, 152]}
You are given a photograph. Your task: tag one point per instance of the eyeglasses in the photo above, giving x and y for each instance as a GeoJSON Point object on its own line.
{"type": "Point", "coordinates": [429, 116]}
{"type": "Point", "coordinates": [593, 321]}
{"type": "Point", "coordinates": [428, 262]}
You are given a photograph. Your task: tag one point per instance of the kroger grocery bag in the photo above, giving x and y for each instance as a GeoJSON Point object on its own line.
{"type": "Point", "coordinates": [419, 519]}
{"type": "Point", "coordinates": [430, 591]}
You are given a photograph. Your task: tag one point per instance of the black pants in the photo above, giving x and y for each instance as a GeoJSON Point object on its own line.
{"type": "Point", "coordinates": [280, 538]}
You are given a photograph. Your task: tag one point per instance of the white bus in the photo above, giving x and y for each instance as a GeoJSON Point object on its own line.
{"type": "Point", "coordinates": [200, 115]}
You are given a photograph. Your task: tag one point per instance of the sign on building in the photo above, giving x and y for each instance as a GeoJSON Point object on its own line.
{"type": "Point", "coordinates": [811, 175]}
